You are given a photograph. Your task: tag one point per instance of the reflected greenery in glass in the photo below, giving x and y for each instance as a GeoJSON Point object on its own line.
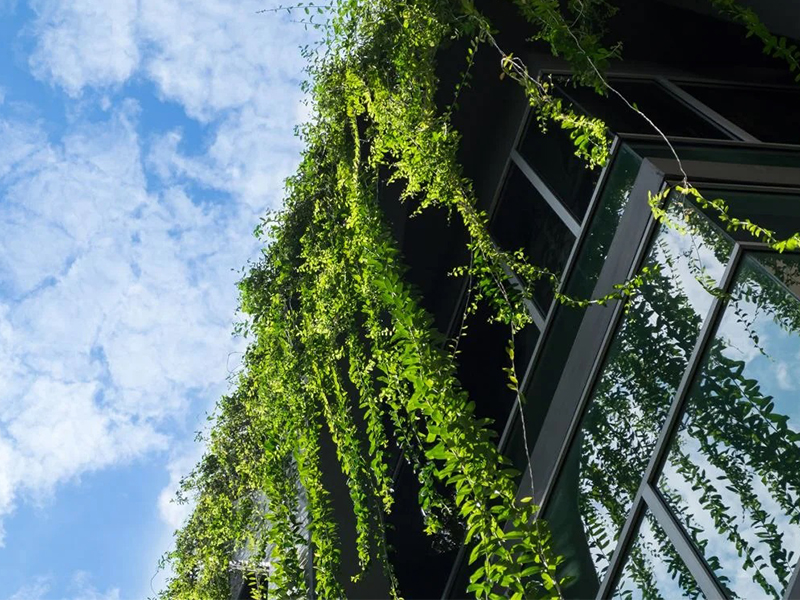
{"type": "Point", "coordinates": [650, 571]}
{"type": "Point", "coordinates": [566, 321]}
{"type": "Point", "coordinates": [733, 473]}
{"type": "Point", "coordinates": [632, 396]}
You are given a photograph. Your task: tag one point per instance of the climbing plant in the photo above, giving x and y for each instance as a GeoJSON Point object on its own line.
{"type": "Point", "coordinates": [342, 358]}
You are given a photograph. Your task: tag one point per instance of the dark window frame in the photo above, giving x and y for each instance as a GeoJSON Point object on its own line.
{"type": "Point", "coordinates": [676, 87]}
{"type": "Point", "coordinates": [651, 179]}
{"type": "Point", "coordinates": [585, 362]}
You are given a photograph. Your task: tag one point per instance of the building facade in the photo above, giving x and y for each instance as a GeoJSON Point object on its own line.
{"type": "Point", "coordinates": [663, 431]}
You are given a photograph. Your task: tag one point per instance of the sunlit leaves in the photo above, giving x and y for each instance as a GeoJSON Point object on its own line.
{"type": "Point", "coordinates": [341, 355]}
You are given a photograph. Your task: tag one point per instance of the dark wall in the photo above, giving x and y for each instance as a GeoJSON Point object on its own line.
{"type": "Point", "coordinates": [373, 583]}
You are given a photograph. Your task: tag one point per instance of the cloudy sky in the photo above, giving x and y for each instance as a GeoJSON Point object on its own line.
{"type": "Point", "coordinates": [140, 141]}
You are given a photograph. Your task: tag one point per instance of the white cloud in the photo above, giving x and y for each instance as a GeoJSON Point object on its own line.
{"type": "Point", "coordinates": [33, 591]}
{"type": "Point", "coordinates": [62, 431]}
{"type": "Point", "coordinates": [20, 140]}
{"type": "Point", "coordinates": [80, 585]}
{"type": "Point", "coordinates": [220, 55]}
{"type": "Point", "coordinates": [210, 57]}
{"type": "Point", "coordinates": [116, 290]}
{"type": "Point", "coordinates": [84, 42]}
{"type": "Point", "coordinates": [244, 73]}
{"type": "Point", "coordinates": [238, 161]}
{"type": "Point", "coordinates": [784, 376]}
{"type": "Point", "coordinates": [85, 590]}
{"type": "Point", "coordinates": [172, 513]}
{"type": "Point", "coordinates": [226, 65]}
{"type": "Point", "coordinates": [121, 311]}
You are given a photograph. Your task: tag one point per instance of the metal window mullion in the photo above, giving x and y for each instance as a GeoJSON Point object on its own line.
{"type": "Point", "coordinates": [793, 589]}
{"type": "Point", "coordinates": [636, 512]}
{"type": "Point", "coordinates": [668, 429]}
{"type": "Point", "coordinates": [599, 360]}
{"type": "Point", "coordinates": [509, 161]}
{"type": "Point", "coordinates": [539, 318]}
{"type": "Point", "coordinates": [706, 111]}
{"type": "Point", "coordinates": [540, 321]}
{"type": "Point", "coordinates": [561, 211]}
{"type": "Point", "coordinates": [569, 269]}
{"type": "Point", "coordinates": [684, 546]}
{"type": "Point", "coordinates": [629, 529]}
{"type": "Point", "coordinates": [536, 314]}
{"type": "Point", "coordinates": [704, 338]}
{"type": "Point", "coordinates": [491, 210]}
{"type": "Point", "coordinates": [451, 580]}
{"type": "Point", "coordinates": [550, 317]}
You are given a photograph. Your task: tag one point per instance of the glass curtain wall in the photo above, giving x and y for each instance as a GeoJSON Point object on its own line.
{"type": "Point", "coordinates": [725, 502]}
{"type": "Point", "coordinates": [705, 359]}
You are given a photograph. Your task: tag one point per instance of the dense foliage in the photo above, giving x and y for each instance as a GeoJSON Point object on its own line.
{"type": "Point", "coordinates": [341, 351]}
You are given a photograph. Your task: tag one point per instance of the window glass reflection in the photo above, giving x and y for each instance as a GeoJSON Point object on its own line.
{"type": "Point", "coordinates": [733, 472]}
{"type": "Point", "coordinates": [628, 407]}
{"type": "Point", "coordinates": [780, 213]}
{"type": "Point", "coordinates": [592, 255]}
{"type": "Point", "coordinates": [669, 114]}
{"type": "Point", "coordinates": [523, 219]}
{"type": "Point", "coordinates": [653, 570]}
{"type": "Point", "coordinates": [551, 153]}
{"type": "Point", "coordinates": [747, 155]}
{"type": "Point", "coordinates": [482, 359]}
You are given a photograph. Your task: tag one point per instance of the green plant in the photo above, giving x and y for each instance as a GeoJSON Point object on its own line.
{"type": "Point", "coordinates": [342, 354]}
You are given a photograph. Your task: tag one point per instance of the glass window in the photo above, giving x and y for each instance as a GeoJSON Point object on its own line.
{"type": "Point", "coordinates": [724, 154]}
{"type": "Point", "coordinates": [780, 213]}
{"type": "Point", "coordinates": [668, 113]}
{"type": "Point", "coordinates": [523, 219]}
{"type": "Point", "coordinates": [653, 570]}
{"type": "Point", "coordinates": [580, 284]}
{"type": "Point", "coordinates": [733, 472]}
{"type": "Point", "coordinates": [770, 114]}
{"type": "Point", "coordinates": [551, 154]}
{"type": "Point", "coordinates": [632, 396]}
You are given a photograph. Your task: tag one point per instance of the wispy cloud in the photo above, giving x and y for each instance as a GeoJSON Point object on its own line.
{"type": "Point", "coordinates": [81, 588]}
{"type": "Point", "coordinates": [118, 310]}
{"type": "Point", "coordinates": [222, 62]}
{"type": "Point", "coordinates": [82, 43]}
{"type": "Point", "coordinates": [32, 591]}
{"type": "Point", "coordinates": [119, 243]}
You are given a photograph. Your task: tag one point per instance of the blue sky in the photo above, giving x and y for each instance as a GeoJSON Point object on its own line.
{"type": "Point", "coordinates": [140, 142]}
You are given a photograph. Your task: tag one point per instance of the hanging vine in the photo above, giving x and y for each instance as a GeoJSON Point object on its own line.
{"type": "Point", "coordinates": [343, 357]}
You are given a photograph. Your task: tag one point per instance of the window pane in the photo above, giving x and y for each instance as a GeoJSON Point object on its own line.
{"type": "Point", "coordinates": [779, 213]}
{"type": "Point", "coordinates": [769, 114]}
{"type": "Point", "coordinates": [631, 398]}
{"type": "Point", "coordinates": [653, 570]}
{"type": "Point", "coordinates": [523, 219]}
{"type": "Point", "coordinates": [669, 114]}
{"type": "Point", "coordinates": [581, 283]}
{"type": "Point", "coordinates": [552, 155]}
{"type": "Point", "coordinates": [747, 155]}
{"type": "Point", "coordinates": [605, 221]}
{"type": "Point", "coordinates": [733, 472]}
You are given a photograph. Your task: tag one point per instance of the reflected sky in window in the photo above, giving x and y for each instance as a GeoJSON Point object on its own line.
{"type": "Point", "coordinates": [643, 368]}
{"type": "Point", "coordinates": [733, 473]}
{"type": "Point", "coordinates": [653, 570]}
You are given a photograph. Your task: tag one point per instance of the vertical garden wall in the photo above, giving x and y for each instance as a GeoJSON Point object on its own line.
{"type": "Point", "coordinates": [341, 354]}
